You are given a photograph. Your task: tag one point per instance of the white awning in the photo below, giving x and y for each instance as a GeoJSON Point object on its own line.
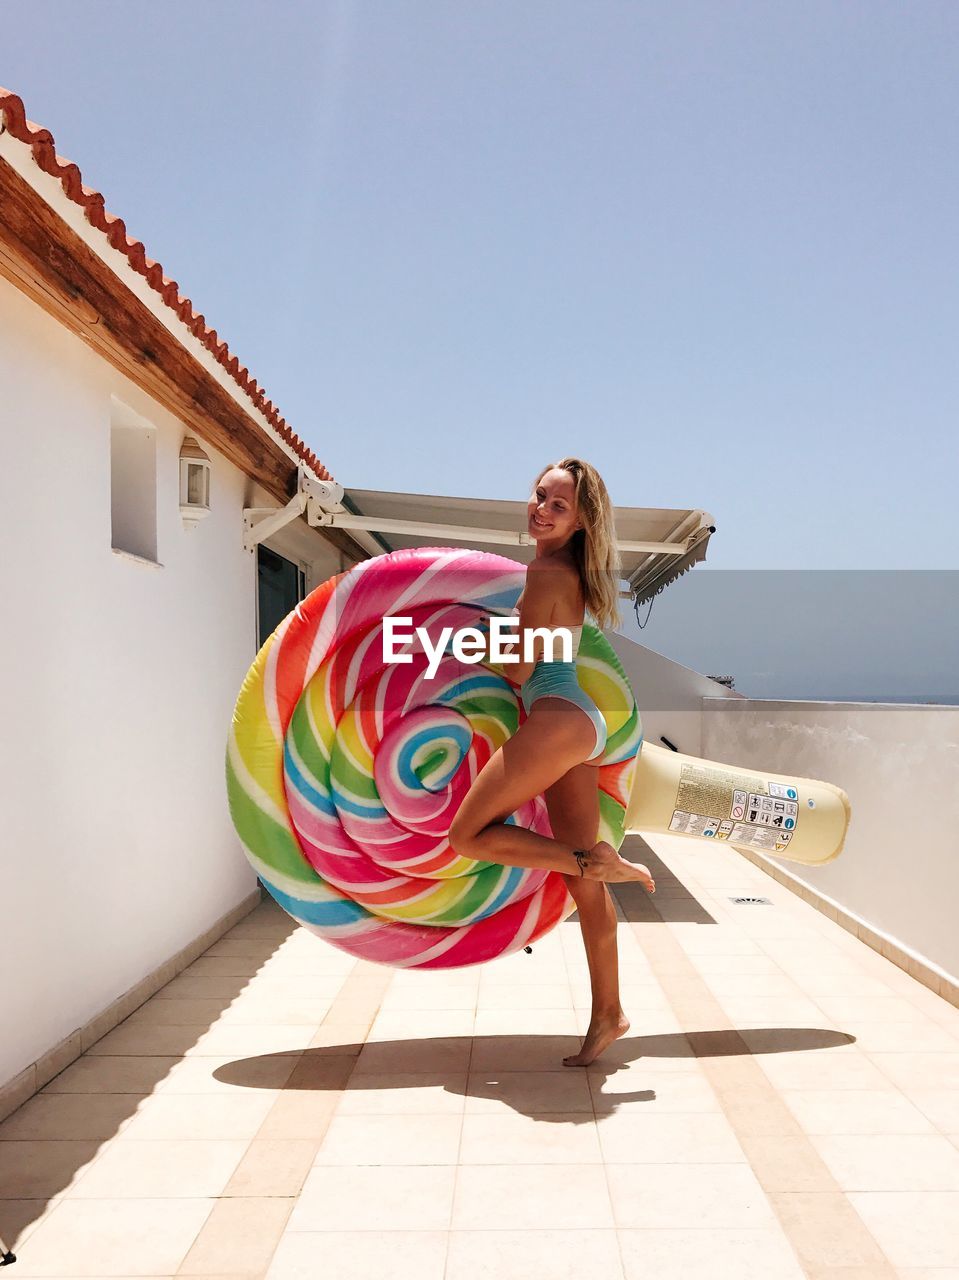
{"type": "Point", "coordinates": [656, 544]}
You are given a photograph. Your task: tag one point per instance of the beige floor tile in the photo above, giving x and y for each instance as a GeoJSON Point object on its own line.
{"type": "Point", "coordinates": [652, 1092]}
{"type": "Point", "coordinates": [744, 986]}
{"type": "Point", "coordinates": [890, 1162]}
{"type": "Point", "coordinates": [914, 1229]}
{"type": "Point", "coordinates": [923, 1036]}
{"type": "Point", "coordinates": [171, 1012]}
{"type": "Point", "coordinates": [375, 1198]}
{"type": "Point", "coordinates": [415, 998]}
{"type": "Point", "coordinates": [274, 928]}
{"type": "Point", "coordinates": [420, 1024]}
{"type": "Point", "coordinates": [531, 1197]}
{"type": "Point", "coordinates": [138, 1075]}
{"type": "Point", "coordinates": [520, 1255]}
{"type": "Point", "coordinates": [204, 986]}
{"type": "Point", "coordinates": [773, 1011]}
{"type": "Point", "coordinates": [668, 1139]}
{"type": "Point", "coordinates": [786, 1164]}
{"type": "Point", "coordinates": [224, 1039]}
{"type": "Point", "coordinates": [708, 964]}
{"type": "Point", "coordinates": [824, 982]}
{"type": "Point", "coordinates": [822, 1069]}
{"type": "Point", "coordinates": [683, 1196]}
{"type": "Point", "coordinates": [44, 1169]}
{"type": "Point", "coordinates": [228, 946]}
{"type": "Point", "coordinates": [336, 1037]}
{"type": "Point", "coordinates": [525, 1022]}
{"type": "Point", "coordinates": [698, 940]}
{"type": "Point", "coordinates": [218, 964]}
{"type": "Point", "coordinates": [239, 1237]}
{"type": "Point", "coordinates": [113, 1237]}
{"type": "Point", "coordinates": [535, 970]}
{"type": "Point", "coordinates": [869, 1008]}
{"type": "Point", "coordinates": [405, 1093]}
{"type": "Point", "coordinates": [826, 1232]}
{"type": "Point", "coordinates": [153, 1170]}
{"type": "Point", "coordinates": [300, 986]}
{"type": "Point", "coordinates": [272, 1167]}
{"type": "Point", "coordinates": [499, 1092]}
{"type": "Point", "coordinates": [919, 1070]}
{"type": "Point", "coordinates": [255, 1010]}
{"type": "Point", "coordinates": [424, 979]}
{"type": "Point", "coordinates": [69, 1116]}
{"type": "Point", "coordinates": [567, 1138]}
{"type": "Point", "coordinates": [525, 995]}
{"type": "Point", "coordinates": [852, 1111]}
{"type": "Point", "coordinates": [299, 1114]}
{"type": "Point", "coordinates": [394, 1140]}
{"type": "Point", "coordinates": [130, 1040]}
{"type": "Point", "coordinates": [716, 1254]}
{"type": "Point", "coordinates": [927, 1273]}
{"type": "Point", "coordinates": [201, 1115]}
{"type": "Point", "coordinates": [226, 1075]}
{"type": "Point", "coordinates": [940, 1106]}
{"type": "Point", "coordinates": [360, 1255]}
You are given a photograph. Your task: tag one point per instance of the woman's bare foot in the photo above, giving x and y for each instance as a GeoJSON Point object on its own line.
{"type": "Point", "coordinates": [604, 863]}
{"type": "Point", "coordinates": [600, 1035]}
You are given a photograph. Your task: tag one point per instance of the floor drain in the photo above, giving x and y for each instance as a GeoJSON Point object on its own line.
{"type": "Point", "coordinates": [752, 902]}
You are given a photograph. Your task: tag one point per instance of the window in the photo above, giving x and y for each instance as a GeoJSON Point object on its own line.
{"type": "Point", "coordinates": [133, 482]}
{"type": "Point", "coordinates": [280, 586]}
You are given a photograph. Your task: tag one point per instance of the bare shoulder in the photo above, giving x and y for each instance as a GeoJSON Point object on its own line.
{"type": "Point", "coordinates": [556, 578]}
{"type": "Point", "coordinates": [555, 569]}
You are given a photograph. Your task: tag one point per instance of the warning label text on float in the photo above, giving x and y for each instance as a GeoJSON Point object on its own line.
{"type": "Point", "coordinates": [725, 805]}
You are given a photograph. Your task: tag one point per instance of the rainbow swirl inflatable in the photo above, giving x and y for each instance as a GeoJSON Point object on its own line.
{"type": "Point", "coordinates": [344, 770]}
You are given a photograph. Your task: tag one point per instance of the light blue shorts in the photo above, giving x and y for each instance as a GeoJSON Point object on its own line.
{"type": "Point", "coordinates": [558, 680]}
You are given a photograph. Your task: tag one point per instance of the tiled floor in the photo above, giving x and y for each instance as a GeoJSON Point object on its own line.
{"type": "Point", "coordinates": [786, 1104]}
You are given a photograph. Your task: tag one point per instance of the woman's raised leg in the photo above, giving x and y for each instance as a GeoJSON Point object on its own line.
{"type": "Point", "coordinates": [549, 743]}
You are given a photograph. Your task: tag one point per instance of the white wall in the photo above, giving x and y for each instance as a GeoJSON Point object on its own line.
{"type": "Point", "coordinates": [899, 765]}
{"type": "Point", "coordinates": [120, 681]}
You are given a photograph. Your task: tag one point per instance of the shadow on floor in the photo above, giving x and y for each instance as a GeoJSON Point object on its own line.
{"type": "Point", "coordinates": [447, 1061]}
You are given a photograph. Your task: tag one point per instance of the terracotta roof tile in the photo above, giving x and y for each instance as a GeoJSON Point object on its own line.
{"type": "Point", "coordinates": [40, 141]}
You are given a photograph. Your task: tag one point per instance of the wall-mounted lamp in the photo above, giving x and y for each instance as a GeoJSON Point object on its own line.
{"type": "Point", "coordinates": [195, 468]}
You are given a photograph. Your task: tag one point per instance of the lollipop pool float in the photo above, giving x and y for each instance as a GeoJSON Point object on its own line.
{"type": "Point", "coordinates": [344, 770]}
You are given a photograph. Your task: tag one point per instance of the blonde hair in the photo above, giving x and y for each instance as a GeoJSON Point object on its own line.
{"type": "Point", "coordinates": [594, 548]}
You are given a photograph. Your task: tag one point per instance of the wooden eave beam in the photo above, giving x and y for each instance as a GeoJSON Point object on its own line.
{"type": "Point", "coordinates": [46, 259]}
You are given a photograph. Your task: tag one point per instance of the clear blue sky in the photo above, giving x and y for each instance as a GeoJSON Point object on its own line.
{"type": "Point", "coordinates": [710, 246]}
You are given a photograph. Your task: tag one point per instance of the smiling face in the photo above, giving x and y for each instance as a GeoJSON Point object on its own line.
{"type": "Point", "coordinates": [551, 509]}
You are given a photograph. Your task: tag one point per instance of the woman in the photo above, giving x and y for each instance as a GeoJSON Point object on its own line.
{"type": "Point", "coordinates": [576, 568]}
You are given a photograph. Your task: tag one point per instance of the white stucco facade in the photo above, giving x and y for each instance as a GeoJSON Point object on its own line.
{"type": "Point", "coordinates": [120, 680]}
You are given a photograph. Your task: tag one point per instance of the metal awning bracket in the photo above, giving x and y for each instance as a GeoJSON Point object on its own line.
{"type": "Point", "coordinates": [312, 496]}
